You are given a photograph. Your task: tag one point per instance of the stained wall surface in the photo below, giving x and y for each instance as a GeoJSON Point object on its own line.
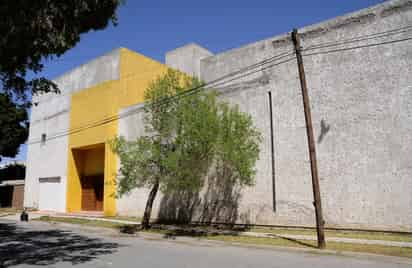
{"type": "Point", "coordinates": [360, 94]}
{"type": "Point", "coordinates": [359, 74]}
{"type": "Point", "coordinates": [359, 80]}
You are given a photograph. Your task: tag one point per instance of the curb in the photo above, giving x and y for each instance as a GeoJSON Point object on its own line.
{"type": "Point", "coordinates": [359, 241]}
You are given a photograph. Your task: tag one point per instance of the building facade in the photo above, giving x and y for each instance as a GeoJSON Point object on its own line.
{"type": "Point", "coordinates": [70, 165]}
{"type": "Point", "coordinates": [359, 74]}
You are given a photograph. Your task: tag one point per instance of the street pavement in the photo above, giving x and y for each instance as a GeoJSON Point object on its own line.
{"type": "Point", "coordinates": [37, 244]}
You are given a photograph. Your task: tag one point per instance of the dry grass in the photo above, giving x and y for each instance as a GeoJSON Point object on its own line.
{"type": "Point", "coordinates": [336, 233]}
{"type": "Point", "coordinates": [124, 218]}
{"type": "Point", "coordinates": [10, 210]}
{"type": "Point", "coordinates": [95, 223]}
{"type": "Point", "coordinates": [375, 249]}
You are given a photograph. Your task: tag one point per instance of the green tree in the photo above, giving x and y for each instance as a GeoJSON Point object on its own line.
{"type": "Point", "coordinates": [14, 126]}
{"type": "Point", "coordinates": [34, 31]}
{"type": "Point", "coordinates": [186, 136]}
{"type": "Point", "coordinates": [12, 171]}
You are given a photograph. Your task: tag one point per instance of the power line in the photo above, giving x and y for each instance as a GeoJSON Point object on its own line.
{"type": "Point", "coordinates": [211, 83]}
{"type": "Point", "coordinates": [358, 47]}
{"type": "Point", "coordinates": [222, 80]}
{"type": "Point", "coordinates": [331, 44]}
{"type": "Point", "coordinates": [324, 52]}
{"type": "Point", "coordinates": [188, 92]}
{"type": "Point", "coordinates": [116, 117]}
{"type": "Point", "coordinates": [360, 38]}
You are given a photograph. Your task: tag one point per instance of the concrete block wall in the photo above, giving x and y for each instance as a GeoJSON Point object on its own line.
{"type": "Point", "coordinates": [360, 100]}
{"type": "Point", "coordinates": [187, 58]}
{"type": "Point", "coordinates": [131, 124]}
{"type": "Point", "coordinates": [361, 96]}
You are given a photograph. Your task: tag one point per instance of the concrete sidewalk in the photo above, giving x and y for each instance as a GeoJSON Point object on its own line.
{"type": "Point", "coordinates": [333, 239]}
{"type": "Point", "coordinates": [299, 237]}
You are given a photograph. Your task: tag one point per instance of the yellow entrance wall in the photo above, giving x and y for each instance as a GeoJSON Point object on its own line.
{"type": "Point", "coordinates": [93, 120]}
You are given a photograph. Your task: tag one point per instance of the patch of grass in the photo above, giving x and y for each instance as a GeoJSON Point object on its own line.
{"type": "Point", "coordinates": [6, 214]}
{"type": "Point", "coordinates": [283, 242]}
{"type": "Point", "coordinates": [10, 210]}
{"type": "Point", "coordinates": [95, 223]}
{"type": "Point", "coordinates": [124, 218]}
{"type": "Point", "coordinates": [336, 233]}
{"type": "Point", "coordinates": [262, 241]}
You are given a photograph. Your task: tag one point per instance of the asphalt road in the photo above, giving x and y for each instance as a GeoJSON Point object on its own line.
{"type": "Point", "coordinates": [37, 244]}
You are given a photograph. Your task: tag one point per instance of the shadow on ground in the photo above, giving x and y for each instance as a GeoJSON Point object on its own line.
{"type": "Point", "coordinates": [46, 247]}
{"type": "Point", "coordinates": [298, 242]}
{"type": "Point", "coordinates": [172, 231]}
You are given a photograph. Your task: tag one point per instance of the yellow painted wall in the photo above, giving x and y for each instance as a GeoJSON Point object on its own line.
{"type": "Point", "coordinates": [74, 189]}
{"type": "Point", "coordinates": [91, 107]}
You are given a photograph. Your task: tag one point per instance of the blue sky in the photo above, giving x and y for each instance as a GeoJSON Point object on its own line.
{"type": "Point", "coordinates": [155, 27]}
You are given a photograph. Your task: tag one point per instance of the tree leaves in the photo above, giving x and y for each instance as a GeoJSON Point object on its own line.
{"type": "Point", "coordinates": [13, 126]}
{"type": "Point", "coordinates": [35, 30]}
{"type": "Point", "coordinates": [32, 31]}
{"type": "Point", "coordinates": [187, 137]}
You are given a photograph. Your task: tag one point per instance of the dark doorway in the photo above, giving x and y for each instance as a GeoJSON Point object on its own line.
{"type": "Point", "coordinates": [6, 196]}
{"type": "Point", "coordinates": [92, 193]}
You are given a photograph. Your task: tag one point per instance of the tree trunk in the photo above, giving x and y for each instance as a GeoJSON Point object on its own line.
{"type": "Point", "coordinates": [149, 205]}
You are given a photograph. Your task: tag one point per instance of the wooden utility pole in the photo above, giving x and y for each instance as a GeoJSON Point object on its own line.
{"type": "Point", "coordinates": [311, 142]}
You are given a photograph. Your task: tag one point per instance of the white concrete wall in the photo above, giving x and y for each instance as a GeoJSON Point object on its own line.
{"type": "Point", "coordinates": [131, 126]}
{"type": "Point", "coordinates": [187, 58]}
{"type": "Point", "coordinates": [51, 116]}
{"type": "Point", "coordinates": [48, 159]}
{"type": "Point", "coordinates": [363, 98]}
{"type": "Point", "coordinates": [360, 95]}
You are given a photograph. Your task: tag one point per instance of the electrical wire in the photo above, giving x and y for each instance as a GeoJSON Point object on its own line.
{"type": "Point", "coordinates": [222, 80]}
{"type": "Point", "coordinates": [358, 47]}
{"type": "Point", "coordinates": [188, 92]}
{"type": "Point", "coordinates": [211, 83]}
{"type": "Point", "coordinates": [361, 38]}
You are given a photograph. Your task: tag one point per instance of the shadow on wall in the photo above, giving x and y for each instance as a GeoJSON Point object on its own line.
{"type": "Point", "coordinates": [324, 129]}
{"type": "Point", "coordinates": [217, 202]}
{"type": "Point", "coordinates": [47, 247]}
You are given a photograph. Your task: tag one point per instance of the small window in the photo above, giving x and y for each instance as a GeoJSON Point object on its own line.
{"type": "Point", "coordinates": [50, 179]}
